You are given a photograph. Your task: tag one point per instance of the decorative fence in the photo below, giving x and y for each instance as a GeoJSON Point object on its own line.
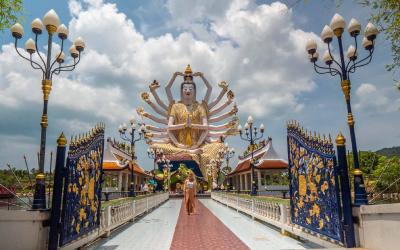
{"type": "Point", "coordinates": [114, 216]}
{"type": "Point", "coordinates": [314, 185]}
{"type": "Point", "coordinates": [275, 214]}
{"type": "Point", "coordinates": [82, 186]}
{"type": "Point", "coordinates": [78, 183]}
{"type": "Point", "coordinates": [112, 195]}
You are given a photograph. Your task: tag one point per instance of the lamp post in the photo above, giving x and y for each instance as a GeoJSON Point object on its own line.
{"type": "Point", "coordinates": [48, 66]}
{"type": "Point", "coordinates": [227, 154]}
{"type": "Point", "coordinates": [131, 137]}
{"type": "Point", "coordinates": [343, 69]}
{"type": "Point", "coordinates": [210, 172]}
{"type": "Point", "coordinates": [156, 155]}
{"type": "Point", "coordinates": [167, 167]}
{"type": "Point", "coordinates": [251, 136]}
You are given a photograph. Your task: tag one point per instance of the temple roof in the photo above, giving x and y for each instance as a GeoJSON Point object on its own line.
{"type": "Point", "coordinates": [266, 157]}
{"type": "Point", "coordinates": [117, 158]}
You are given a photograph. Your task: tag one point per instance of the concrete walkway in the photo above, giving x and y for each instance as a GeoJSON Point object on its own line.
{"type": "Point", "coordinates": [153, 231]}
{"type": "Point", "coordinates": [213, 227]}
{"type": "Point", "coordinates": [253, 233]}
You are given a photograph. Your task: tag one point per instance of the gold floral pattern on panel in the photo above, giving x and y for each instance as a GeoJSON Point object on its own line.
{"type": "Point", "coordinates": [83, 186]}
{"type": "Point", "coordinates": [314, 200]}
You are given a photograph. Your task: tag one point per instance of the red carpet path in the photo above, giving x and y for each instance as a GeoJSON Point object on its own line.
{"type": "Point", "coordinates": [203, 231]}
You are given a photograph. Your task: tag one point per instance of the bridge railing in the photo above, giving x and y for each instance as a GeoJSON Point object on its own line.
{"type": "Point", "coordinates": [114, 216]}
{"type": "Point", "coordinates": [273, 213]}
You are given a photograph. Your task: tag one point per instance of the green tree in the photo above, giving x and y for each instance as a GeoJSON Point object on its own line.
{"type": "Point", "coordinates": [386, 14]}
{"type": "Point", "coordinates": [9, 10]}
{"type": "Point", "coordinates": [387, 175]}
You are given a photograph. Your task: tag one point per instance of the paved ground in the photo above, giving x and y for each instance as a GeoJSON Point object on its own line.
{"type": "Point", "coordinates": [203, 230]}
{"type": "Point", "coordinates": [254, 234]}
{"type": "Point", "coordinates": [153, 231]}
{"type": "Point", "coordinates": [213, 227]}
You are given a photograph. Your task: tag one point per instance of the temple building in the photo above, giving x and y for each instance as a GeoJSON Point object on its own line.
{"type": "Point", "coordinates": [270, 170]}
{"type": "Point", "coordinates": [117, 167]}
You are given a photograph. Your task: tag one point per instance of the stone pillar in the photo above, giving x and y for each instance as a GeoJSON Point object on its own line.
{"type": "Point", "coordinates": [126, 182]}
{"type": "Point", "coordinates": [245, 182]}
{"type": "Point", "coordinates": [120, 181]}
{"type": "Point", "coordinates": [259, 179]}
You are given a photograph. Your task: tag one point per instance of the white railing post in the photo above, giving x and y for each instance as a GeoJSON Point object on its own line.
{"type": "Point", "coordinates": [147, 203]}
{"type": "Point", "coordinates": [237, 203]}
{"type": "Point", "coordinates": [108, 220]}
{"type": "Point", "coordinates": [283, 218]}
{"type": "Point", "coordinates": [252, 209]}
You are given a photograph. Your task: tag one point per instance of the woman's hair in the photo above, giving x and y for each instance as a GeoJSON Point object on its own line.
{"type": "Point", "coordinates": [191, 175]}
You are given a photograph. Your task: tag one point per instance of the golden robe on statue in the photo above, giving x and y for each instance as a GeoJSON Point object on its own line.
{"type": "Point", "coordinates": [190, 136]}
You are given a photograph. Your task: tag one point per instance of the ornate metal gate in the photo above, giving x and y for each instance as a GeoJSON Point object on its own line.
{"type": "Point", "coordinates": [81, 180]}
{"type": "Point", "coordinates": [314, 186]}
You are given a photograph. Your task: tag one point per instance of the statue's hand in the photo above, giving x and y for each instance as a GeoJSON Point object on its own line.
{"type": "Point", "coordinates": [224, 85]}
{"type": "Point", "coordinates": [230, 95]}
{"type": "Point", "coordinates": [234, 110]}
{"type": "Point", "coordinates": [146, 97]}
{"type": "Point", "coordinates": [188, 122]}
{"type": "Point", "coordinates": [178, 74]}
{"type": "Point", "coordinates": [154, 85]}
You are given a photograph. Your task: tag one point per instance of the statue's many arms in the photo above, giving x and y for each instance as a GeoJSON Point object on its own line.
{"type": "Point", "coordinates": [187, 126]}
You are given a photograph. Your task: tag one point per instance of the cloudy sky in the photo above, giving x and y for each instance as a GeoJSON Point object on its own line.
{"type": "Point", "coordinates": [256, 46]}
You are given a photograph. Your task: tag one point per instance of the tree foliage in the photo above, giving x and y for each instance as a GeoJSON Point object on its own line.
{"type": "Point", "coordinates": [9, 10]}
{"type": "Point", "coordinates": [386, 14]}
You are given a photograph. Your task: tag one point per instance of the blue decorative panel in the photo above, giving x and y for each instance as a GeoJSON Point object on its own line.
{"type": "Point", "coordinates": [314, 187]}
{"type": "Point", "coordinates": [82, 186]}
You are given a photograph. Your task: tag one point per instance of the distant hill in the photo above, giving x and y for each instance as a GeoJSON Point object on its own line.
{"type": "Point", "coordinates": [389, 152]}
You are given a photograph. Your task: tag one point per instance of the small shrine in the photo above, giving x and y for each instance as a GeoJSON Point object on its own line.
{"type": "Point", "coordinates": [117, 167]}
{"type": "Point", "coordinates": [268, 167]}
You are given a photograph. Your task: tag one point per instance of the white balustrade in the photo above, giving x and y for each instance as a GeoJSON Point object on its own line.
{"type": "Point", "coordinates": [117, 215]}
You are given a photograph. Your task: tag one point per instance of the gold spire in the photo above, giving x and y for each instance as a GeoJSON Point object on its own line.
{"type": "Point", "coordinates": [340, 140]}
{"type": "Point", "coordinates": [188, 70]}
{"type": "Point", "coordinates": [62, 141]}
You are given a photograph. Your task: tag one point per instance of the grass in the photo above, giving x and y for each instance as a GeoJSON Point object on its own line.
{"type": "Point", "coordinates": [263, 198]}
{"type": "Point", "coordinates": [120, 201]}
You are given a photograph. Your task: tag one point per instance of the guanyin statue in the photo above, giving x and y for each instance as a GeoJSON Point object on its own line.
{"type": "Point", "coordinates": [188, 126]}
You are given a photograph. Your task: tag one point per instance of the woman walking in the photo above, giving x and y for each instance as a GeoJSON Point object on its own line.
{"type": "Point", "coordinates": [189, 189]}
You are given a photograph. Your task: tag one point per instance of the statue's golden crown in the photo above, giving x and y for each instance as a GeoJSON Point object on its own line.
{"type": "Point", "coordinates": [188, 73]}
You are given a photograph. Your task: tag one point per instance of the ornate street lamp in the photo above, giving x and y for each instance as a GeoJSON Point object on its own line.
{"type": "Point", "coordinates": [227, 154]}
{"type": "Point", "coordinates": [48, 67]}
{"type": "Point", "coordinates": [343, 69]}
{"type": "Point", "coordinates": [251, 136]}
{"type": "Point", "coordinates": [156, 155]}
{"type": "Point", "coordinates": [131, 137]}
{"type": "Point", "coordinates": [166, 168]}
{"type": "Point", "coordinates": [211, 166]}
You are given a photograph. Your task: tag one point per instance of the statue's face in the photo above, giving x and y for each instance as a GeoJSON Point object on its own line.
{"type": "Point", "coordinates": [188, 91]}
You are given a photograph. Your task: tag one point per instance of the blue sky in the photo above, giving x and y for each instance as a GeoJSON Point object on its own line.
{"type": "Point", "coordinates": [256, 46]}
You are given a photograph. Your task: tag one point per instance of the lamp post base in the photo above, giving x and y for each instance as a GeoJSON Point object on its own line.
{"type": "Point", "coordinates": [253, 191]}
{"type": "Point", "coordinates": [132, 193]}
{"type": "Point", "coordinates": [360, 196]}
{"type": "Point", "coordinates": [39, 197]}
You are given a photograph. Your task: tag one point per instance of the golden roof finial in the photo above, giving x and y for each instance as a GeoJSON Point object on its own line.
{"type": "Point", "coordinates": [62, 141]}
{"type": "Point", "coordinates": [340, 140]}
{"type": "Point", "coordinates": [188, 70]}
